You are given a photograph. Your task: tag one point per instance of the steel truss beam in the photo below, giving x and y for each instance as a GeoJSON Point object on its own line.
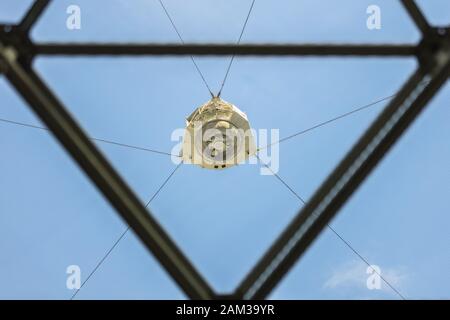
{"type": "Point", "coordinates": [417, 16]}
{"type": "Point", "coordinates": [51, 111]}
{"type": "Point", "coordinates": [17, 52]}
{"type": "Point", "coordinates": [362, 50]}
{"type": "Point", "coordinates": [33, 14]}
{"type": "Point", "coordinates": [344, 180]}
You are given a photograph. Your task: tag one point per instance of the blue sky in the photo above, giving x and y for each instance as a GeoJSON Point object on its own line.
{"type": "Point", "coordinates": [52, 217]}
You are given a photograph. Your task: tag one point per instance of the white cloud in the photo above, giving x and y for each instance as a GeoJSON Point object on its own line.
{"type": "Point", "coordinates": [353, 275]}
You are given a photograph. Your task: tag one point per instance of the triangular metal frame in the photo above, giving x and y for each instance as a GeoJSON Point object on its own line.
{"type": "Point", "coordinates": [17, 52]}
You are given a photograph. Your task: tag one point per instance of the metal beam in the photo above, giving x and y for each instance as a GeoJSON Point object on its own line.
{"type": "Point", "coordinates": [345, 179]}
{"type": "Point", "coordinates": [52, 112]}
{"type": "Point", "coordinates": [33, 14]}
{"type": "Point", "coordinates": [111, 49]}
{"type": "Point", "coordinates": [417, 16]}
